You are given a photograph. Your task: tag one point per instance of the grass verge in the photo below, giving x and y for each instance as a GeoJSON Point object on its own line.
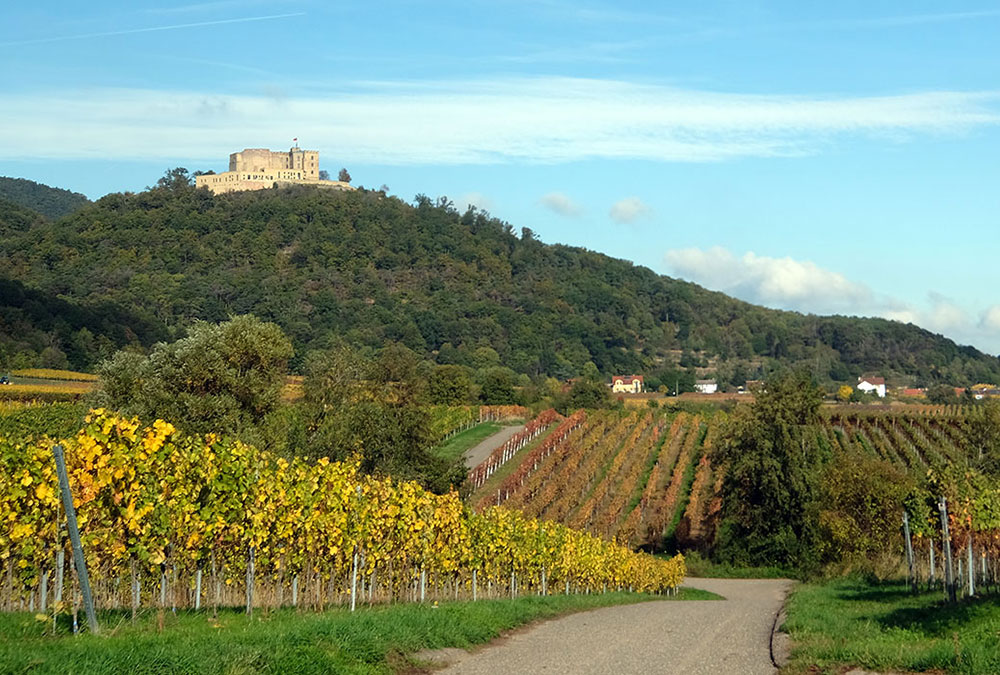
{"type": "Point", "coordinates": [453, 448]}
{"type": "Point", "coordinates": [369, 641]}
{"type": "Point", "coordinates": [699, 566]}
{"type": "Point", "coordinates": [883, 627]}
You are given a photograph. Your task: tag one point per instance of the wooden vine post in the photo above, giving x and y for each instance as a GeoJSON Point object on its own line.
{"type": "Point", "coordinates": [949, 572]}
{"type": "Point", "coordinates": [910, 576]}
{"type": "Point", "coordinates": [74, 535]}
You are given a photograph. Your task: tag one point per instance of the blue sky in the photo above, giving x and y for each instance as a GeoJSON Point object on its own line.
{"type": "Point", "coordinates": [823, 157]}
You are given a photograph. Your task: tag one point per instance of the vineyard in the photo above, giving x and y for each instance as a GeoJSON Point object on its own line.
{"type": "Point", "coordinates": [181, 521]}
{"type": "Point", "coordinates": [623, 476]}
{"type": "Point", "coordinates": [645, 478]}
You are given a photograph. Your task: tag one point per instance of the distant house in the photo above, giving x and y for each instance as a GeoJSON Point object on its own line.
{"type": "Point", "coordinates": [981, 391]}
{"type": "Point", "coordinates": [915, 393]}
{"type": "Point", "coordinates": [869, 384]}
{"type": "Point", "coordinates": [706, 386]}
{"type": "Point", "coordinates": [627, 384]}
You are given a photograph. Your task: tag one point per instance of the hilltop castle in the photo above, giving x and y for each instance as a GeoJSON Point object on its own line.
{"type": "Point", "coordinates": [259, 168]}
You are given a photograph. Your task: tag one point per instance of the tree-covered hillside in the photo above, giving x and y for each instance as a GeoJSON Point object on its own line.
{"type": "Point", "coordinates": [458, 287]}
{"type": "Point", "coordinates": [38, 329]}
{"type": "Point", "coordinates": [49, 201]}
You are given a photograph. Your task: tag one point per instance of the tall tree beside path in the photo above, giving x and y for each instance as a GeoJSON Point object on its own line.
{"type": "Point", "coordinates": [770, 489]}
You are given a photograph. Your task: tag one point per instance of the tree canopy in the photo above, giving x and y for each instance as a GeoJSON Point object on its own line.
{"type": "Point", "coordinates": [49, 201]}
{"type": "Point", "coordinates": [223, 378]}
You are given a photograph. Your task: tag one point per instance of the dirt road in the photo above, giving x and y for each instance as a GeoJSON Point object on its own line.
{"type": "Point", "coordinates": [477, 453]}
{"type": "Point", "coordinates": [690, 637]}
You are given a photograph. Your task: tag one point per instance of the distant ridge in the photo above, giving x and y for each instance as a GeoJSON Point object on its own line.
{"type": "Point", "coordinates": [458, 288]}
{"type": "Point", "coordinates": [49, 201]}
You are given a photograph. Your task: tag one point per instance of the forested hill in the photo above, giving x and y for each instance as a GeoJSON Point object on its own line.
{"type": "Point", "coordinates": [49, 201]}
{"type": "Point", "coordinates": [459, 287]}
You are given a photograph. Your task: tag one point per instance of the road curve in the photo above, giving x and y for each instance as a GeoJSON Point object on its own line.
{"type": "Point", "coordinates": [690, 637]}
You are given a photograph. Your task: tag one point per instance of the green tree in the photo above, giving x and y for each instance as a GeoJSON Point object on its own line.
{"type": "Point", "coordinates": [860, 507]}
{"type": "Point", "coordinates": [773, 462]}
{"type": "Point", "coordinates": [175, 179]}
{"type": "Point", "coordinates": [343, 176]}
{"type": "Point", "coordinates": [498, 387]}
{"type": "Point", "coordinates": [450, 385]}
{"type": "Point", "coordinates": [587, 394]}
{"type": "Point", "coordinates": [942, 394]}
{"type": "Point", "coordinates": [223, 378]}
{"type": "Point", "coordinates": [372, 406]}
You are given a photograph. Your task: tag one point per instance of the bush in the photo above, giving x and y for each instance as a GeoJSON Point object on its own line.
{"type": "Point", "coordinates": [224, 378]}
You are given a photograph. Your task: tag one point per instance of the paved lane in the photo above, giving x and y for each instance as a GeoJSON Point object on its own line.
{"type": "Point", "coordinates": [691, 637]}
{"type": "Point", "coordinates": [480, 451]}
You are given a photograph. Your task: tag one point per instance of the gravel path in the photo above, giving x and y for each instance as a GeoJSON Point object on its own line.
{"type": "Point", "coordinates": [477, 453]}
{"type": "Point", "coordinates": [691, 637]}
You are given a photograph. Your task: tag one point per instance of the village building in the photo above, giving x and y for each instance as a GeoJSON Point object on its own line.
{"type": "Point", "coordinates": [627, 384]}
{"type": "Point", "coordinates": [259, 169]}
{"type": "Point", "coordinates": [981, 391]}
{"type": "Point", "coordinates": [870, 384]}
{"type": "Point", "coordinates": [706, 386]}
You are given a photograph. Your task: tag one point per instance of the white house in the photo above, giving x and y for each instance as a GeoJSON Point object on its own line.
{"type": "Point", "coordinates": [706, 386]}
{"type": "Point", "coordinates": [868, 385]}
{"type": "Point", "coordinates": [626, 384]}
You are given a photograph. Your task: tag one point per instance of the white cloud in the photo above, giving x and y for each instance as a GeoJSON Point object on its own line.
{"type": "Point", "coordinates": [472, 122]}
{"type": "Point", "coordinates": [628, 210]}
{"type": "Point", "coordinates": [561, 204]}
{"type": "Point", "coordinates": [782, 282]}
{"type": "Point", "coordinates": [989, 321]}
{"type": "Point", "coordinates": [944, 315]}
{"type": "Point", "coordinates": [786, 283]}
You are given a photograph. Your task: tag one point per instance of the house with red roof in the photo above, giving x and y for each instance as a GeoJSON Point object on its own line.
{"type": "Point", "coordinates": [627, 384]}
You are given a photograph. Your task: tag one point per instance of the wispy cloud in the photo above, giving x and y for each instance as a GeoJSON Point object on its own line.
{"type": "Point", "coordinates": [593, 52]}
{"type": "Point", "coordinates": [989, 320]}
{"type": "Point", "coordinates": [150, 29]}
{"type": "Point", "coordinates": [211, 6]}
{"type": "Point", "coordinates": [802, 285]}
{"type": "Point", "coordinates": [600, 13]}
{"type": "Point", "coordinates": [629, 210]}
{"type": "Point", "coordinates": [476, 122]}
{"type": "Point", "coordinates": [721, 31]}
{"type": "Point", "coordinates": [915, 19]}
{"type": "Point", "coordinates": [559, 203]}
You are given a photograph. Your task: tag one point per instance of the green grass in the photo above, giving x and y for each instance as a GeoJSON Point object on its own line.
{"type": "Point", "coordinates": [456, 446]}
{"type": "Point", "coordinates": [368, 641]}
{"type": "Point", "coordinates": [882, 627]}
{"type": "Point", "coordinates": [699, 566]}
